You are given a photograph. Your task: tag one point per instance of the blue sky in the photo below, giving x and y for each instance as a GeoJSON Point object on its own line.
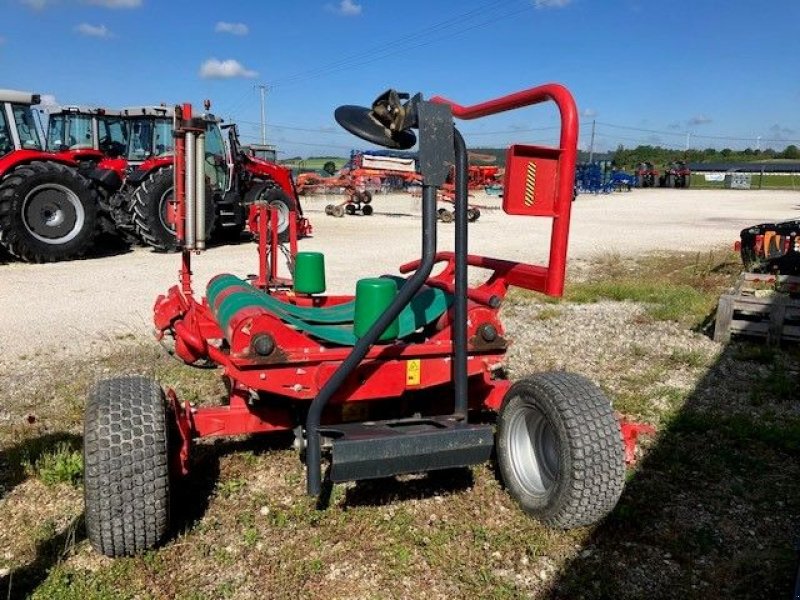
{"type": "Point", "coordinates": [648, 71]}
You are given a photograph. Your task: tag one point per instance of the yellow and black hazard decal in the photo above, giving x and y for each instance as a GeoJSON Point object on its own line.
{"type": "Point", "coordinates": [530, 184]}
{"type": "Point", "coordinates": [413, 372]}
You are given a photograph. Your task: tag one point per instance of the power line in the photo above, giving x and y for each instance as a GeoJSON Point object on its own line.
{"type": "Point", "coordinates": [695, 135]}
{"type": "Point", "coordinates": [398, 43]}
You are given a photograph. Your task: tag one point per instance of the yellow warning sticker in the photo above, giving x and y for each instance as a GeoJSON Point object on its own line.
{"type": "Point", "coordinates": [413, 369]}
{"type": "Point", "coordinates": [530, 184]}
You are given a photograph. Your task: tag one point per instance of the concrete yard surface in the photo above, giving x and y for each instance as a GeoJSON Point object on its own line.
{"type": "Point", "coordinates": [70, 307]}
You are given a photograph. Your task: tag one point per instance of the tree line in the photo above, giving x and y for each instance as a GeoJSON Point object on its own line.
{"type": "Point", "coordinates": [629, 158]}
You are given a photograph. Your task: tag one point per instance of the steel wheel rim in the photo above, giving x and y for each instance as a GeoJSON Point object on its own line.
{"type": "Point", "coordinates": [534, 451]}
{"type": "Point", "coordinates": [283, 214]}
{"type": "Point", "coordinates": [53, 213]}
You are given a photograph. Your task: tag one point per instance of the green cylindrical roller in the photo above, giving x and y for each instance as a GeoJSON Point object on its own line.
{"type": "Point", "coordinates": [309, 273]}
{"type": "Point", "coordinates": [373, 296]}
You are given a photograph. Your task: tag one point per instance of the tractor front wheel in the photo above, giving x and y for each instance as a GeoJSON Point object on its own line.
{"type": "Point", "coordinates": [560, 449]}
{"type": "Point", "coordinates": [48, 212]}
{"type": "Point", "coordinates": [126, 462]}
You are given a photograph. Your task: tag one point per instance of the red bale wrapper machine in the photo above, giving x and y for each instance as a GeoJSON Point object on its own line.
{"type": "Point", "coordinates": [405, 376]}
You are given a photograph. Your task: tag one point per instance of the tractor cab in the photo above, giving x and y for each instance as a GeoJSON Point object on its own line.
{"type": "Point", "coordinates": [150, 133]}
{"type": "Point", "coordinates": [262, 151]}
{"type": "Point", "coordinates": [87, 134]}
{"type": "Point", "coordinates": [18, 130]}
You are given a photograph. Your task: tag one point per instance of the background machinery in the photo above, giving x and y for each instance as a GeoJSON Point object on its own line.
{"type": "Point", "coordinates": [48, 209]}
{"type": "Point", "coordinates": [138, 188]}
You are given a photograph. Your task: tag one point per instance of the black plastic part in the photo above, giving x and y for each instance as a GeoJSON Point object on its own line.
{"type": "Point", "coordinates": [137, 176]}
{"type": "Point", "coordinates": [387, 448]}
{"type": "Point", "coordinates": [359, 121]}
{"type": "Point", "coordinates": [435, 142]}
{"type": "Point", "coordinates": [107, 178]}
{"type": "Point", "coordinates": [263, 344]}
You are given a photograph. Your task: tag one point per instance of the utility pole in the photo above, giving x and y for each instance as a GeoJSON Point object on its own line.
{"type": "Point", "coordinates": [263, 90]}
{"type": "Point", "coordinates": [591, 144]}
{"type": "Point", "coordinates": [688, 135]}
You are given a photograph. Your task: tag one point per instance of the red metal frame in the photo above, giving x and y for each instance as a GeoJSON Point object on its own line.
{"type": "Point", "coordinates": [568, 144]}
{"type": "Point", "coordinates": [299, 366]}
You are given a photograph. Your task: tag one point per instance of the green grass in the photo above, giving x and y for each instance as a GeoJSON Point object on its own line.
{"type": "Point", "coordinates": [64, 464]}
{"type": "Point", "coordinates": [771, 181]}
{"type": "Point", "coordinates": [681, 287]}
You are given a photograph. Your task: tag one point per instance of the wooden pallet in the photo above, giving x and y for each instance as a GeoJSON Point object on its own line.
{"type": "Point", "coordinates": [760, 306]}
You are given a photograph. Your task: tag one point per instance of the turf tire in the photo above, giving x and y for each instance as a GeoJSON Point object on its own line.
{"type": "Point", "coordinates": [126, 462]}
{"type": "Point", "coordinates": [575, 476]}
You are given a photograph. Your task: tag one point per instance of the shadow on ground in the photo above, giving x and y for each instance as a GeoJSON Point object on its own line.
{"type": "Point", "coordinates": [14, 458]}
{"type": "Point", "coordinates": [713, 511]}
{"type": "Point", "coordinates": [381, 492]}
{"type": "Point", "coordinates": [23, 580]}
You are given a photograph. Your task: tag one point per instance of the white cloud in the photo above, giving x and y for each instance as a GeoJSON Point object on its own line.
{"type": "Point", "coordinates": [224, 69]}
{"type": "Point", "coordinates": [551, 3]}
{"type": "Point", "coordinates": [232, 28]}
{"type": "Point", "coordinates": [98, 31]}
{"type": "Point", "coordinates": [348, 8]}
{"type": "Point", "coordinates": [589, 113]}
{"type": "Point", "coordinates": [116, 3]}
{"type": "Point", "coordinates": [700, 120]}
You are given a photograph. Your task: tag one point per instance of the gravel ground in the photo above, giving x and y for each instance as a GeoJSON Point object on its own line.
{"type": "Point", "coordinates": [69, 308]}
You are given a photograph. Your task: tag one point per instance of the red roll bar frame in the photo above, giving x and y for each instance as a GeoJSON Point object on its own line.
{"type": "Point", "coordinates": [553, 284]}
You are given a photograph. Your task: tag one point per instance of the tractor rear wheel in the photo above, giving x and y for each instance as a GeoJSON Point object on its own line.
{"type": "Point", "coordinates": [275, 197]}
{"type": "Point", "coordinates": [150, 204]}
{"type": "Point", "coordinates": [126, 462]}
{"type": "Point", "coordinates": [560, 449]}
{"type": "Point", "coordinates": [48, 212]}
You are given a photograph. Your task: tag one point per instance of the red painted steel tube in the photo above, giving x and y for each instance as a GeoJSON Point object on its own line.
{"type": "Point", "coordinates": [274, 249]}
{"type": "Point", "coordinates": [569, 148]}
{"type": "Point", "coordinates": [179, 166]}
{"type": "Point", "coordinates": [262, 247]}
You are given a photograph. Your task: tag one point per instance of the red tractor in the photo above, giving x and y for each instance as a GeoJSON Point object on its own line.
{"type": "Point", "coordinates": [87, 135]}
{"type": "Point", "coordinates": [646, 175]}
{"type": "Point", "coordinates": [48, 209]}
{"type": "Point", "coordinates": [405, 376]}
{"type": "Point", "coordinates": [139, 187]}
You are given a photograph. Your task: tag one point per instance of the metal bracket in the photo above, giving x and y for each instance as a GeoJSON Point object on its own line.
{"type": "Point", "coordinates": [436, 153]}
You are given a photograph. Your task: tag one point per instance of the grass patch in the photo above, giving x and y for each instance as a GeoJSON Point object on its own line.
{"type": "Point", "coordinates": [64, 464]}
{"type": "Point", "coordinates": [681, 287]}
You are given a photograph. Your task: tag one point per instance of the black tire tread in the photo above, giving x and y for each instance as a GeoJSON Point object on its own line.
{"type": "Point", "coordinates": [143, 214]}
{"type": "Point", "coordinates": [126, 462]}
{"type": "Point", "coordinates": [595, 450]}
{"type": "Point", "coordinates": [16, 241]}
